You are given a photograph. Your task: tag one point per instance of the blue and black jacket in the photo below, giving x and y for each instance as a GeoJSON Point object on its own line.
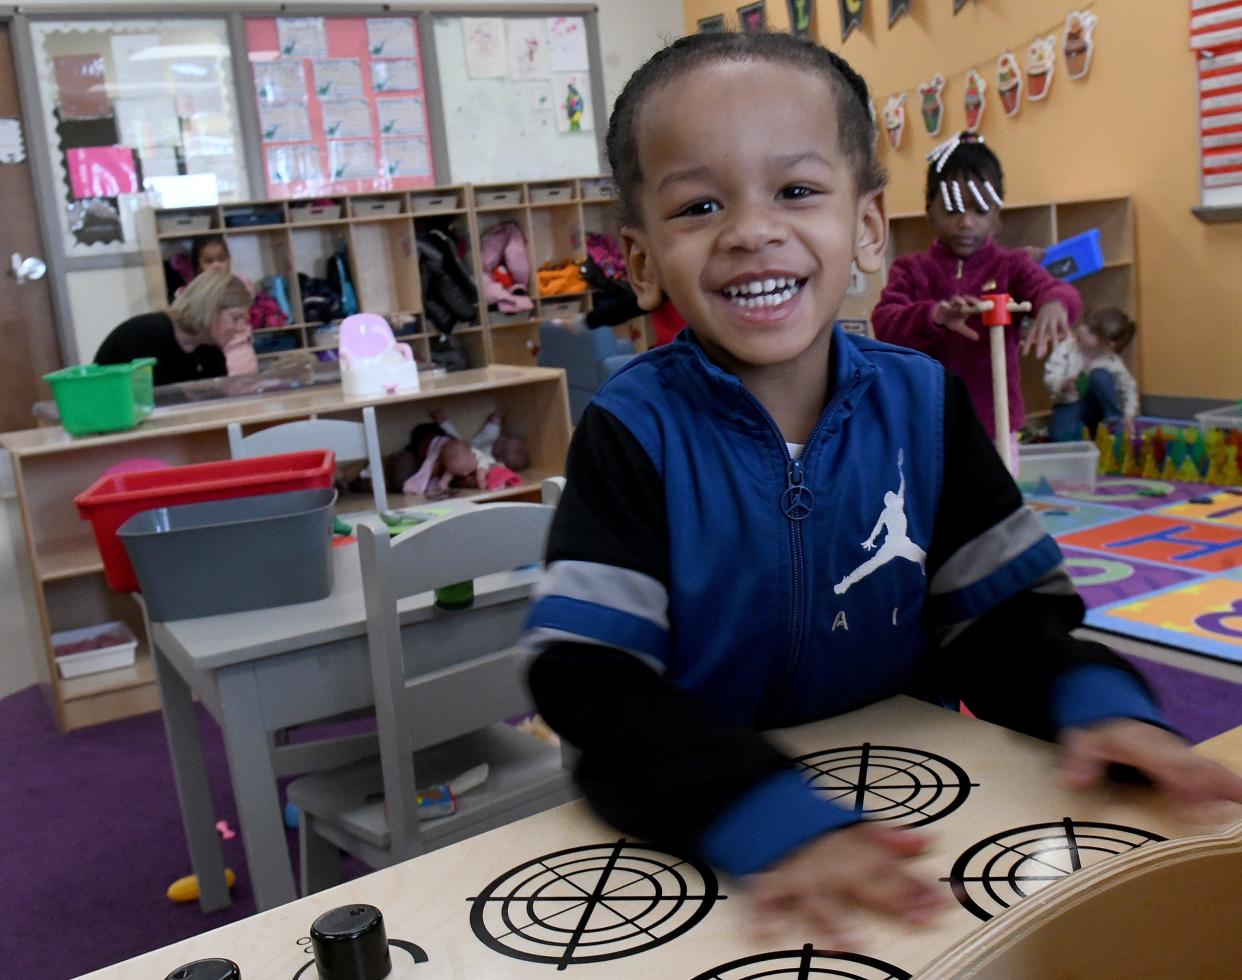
{"type": "Point", "coordinates": [703, 584]}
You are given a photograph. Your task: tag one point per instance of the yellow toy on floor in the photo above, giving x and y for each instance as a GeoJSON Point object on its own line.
{"type": "Point", "coordinates": [186, 889]}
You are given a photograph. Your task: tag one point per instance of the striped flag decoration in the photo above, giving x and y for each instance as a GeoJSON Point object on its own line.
{"type": "Point", "coordinates": [1216, 37]}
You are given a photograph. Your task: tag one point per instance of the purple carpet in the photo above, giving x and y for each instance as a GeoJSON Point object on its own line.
{"type": "Point", "coordinates": [94, 835]}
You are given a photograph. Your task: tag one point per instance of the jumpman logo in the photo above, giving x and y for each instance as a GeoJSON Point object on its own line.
{"type": "Point", "coordinates": [897, 543]}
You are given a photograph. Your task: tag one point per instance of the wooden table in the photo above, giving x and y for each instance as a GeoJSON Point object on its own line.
{"type": "Point", "coordinates": [265, 670]}
{"type": "Point", "coordinates": [574, 890]}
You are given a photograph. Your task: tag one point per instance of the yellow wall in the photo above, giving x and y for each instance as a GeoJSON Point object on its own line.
{"type": "Point", "coordinates": [1128, 128]}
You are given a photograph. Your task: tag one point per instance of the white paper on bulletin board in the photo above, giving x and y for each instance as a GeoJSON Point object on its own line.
{"type": "Point", "coordinates": [495, 131]}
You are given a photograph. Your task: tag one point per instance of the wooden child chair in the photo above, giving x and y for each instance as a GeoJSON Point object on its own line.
{"type": "Point", "coordinates": [351, 441]}
{"type": "Point", "coordinates": [444, 687]}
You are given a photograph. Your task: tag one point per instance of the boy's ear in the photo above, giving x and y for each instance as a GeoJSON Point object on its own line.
{"type": "Point", "coordinates": [644, 276]}
{"type": "Point", "coordinates": [872, 240]}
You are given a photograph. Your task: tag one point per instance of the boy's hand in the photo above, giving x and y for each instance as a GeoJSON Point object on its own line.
{"type": "Point", "coordinates": [1051, 327]}
{"type": "Point", "coordinates": [821, 882]}
{"type": "Point", "coordinates": [951, 314]}
{"type": "Point", "coordinates": [1186, 778]}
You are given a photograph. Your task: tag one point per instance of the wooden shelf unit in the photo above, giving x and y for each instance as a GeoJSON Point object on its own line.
{"type": "Point", "coordinates": [1039, 224]}
{"type": "Point", "coordinates": [60, 568]}
{"type": "Point", "coordinates": [554, 215]}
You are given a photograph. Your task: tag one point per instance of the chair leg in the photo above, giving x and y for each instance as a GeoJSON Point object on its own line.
{"type": "Point", "coordinates": [320, 859]}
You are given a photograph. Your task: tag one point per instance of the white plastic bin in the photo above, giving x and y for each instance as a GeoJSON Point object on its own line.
{"type": "Point", "coordinates": [497, 197]}
{"type": "Point", "coordinates": [435, 201]}
{"type": "Point", "coordinates": [93, 649]}
{"type": "Point", "coordinates": [552, 193]}
{"type": "Point", "coordinates": [1229, 417]}
{"type": "Point", "coordinates": [188, 224]}
{"type": "Point", "coordinates": [307, 212]}
{"type": "Point", "coordinates": [1064, 465]}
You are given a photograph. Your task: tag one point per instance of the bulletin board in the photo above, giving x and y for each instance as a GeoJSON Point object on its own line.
{"type": "Point", "coordinates": [341, 102]}
{"type": "Point", "coordinates": [131, 105]}
{"type": "Point", "coordinates": [517, 94]}
{"type": "Point", "coordinates": [1216, 39]}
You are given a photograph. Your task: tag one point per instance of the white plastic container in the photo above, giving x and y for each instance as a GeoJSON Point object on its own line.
{"type": "Point", "coordinates": [303, 213]}
{"type": "Point", "coordinates": [497, 197]}
{"type": "Point", "coordinates": [434, 201]}
{"type": "Point", "coordinates": [369, 207]}
{"type": "Point", "coordinates": [172, 224]}
{"type": "Point", "coordinates": [1229, 417]}
{"type": "Point", "coordinates": [552, 194]}
{"type": "Point", "coordinates": [93, 649]}
{"type": "Point", "coordinates": [1064, 465]}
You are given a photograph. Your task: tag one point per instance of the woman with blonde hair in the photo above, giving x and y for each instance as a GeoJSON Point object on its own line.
{"type": "Point", "coordinates": [204, 334]}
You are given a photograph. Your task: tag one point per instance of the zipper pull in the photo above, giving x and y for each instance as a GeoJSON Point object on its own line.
{"type": "Point", "coordinates": [959, 268]}
{"type": "Point", "coordinates": [798, 500]}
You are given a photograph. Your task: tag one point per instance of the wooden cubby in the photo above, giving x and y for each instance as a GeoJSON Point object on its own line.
{"type": "Point", "coordinates": [379, 231]}
{"type": "Point", "coordinates": [1040, 225]}
{"type": "Point", "coordinates": [60, 566]}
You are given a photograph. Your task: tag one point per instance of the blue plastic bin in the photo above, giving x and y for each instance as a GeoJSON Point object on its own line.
{"type": "Point", "coordinates": [1075, 257]}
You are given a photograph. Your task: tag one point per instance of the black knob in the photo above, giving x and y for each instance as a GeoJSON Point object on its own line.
{"type": "Point", "coordinates": [350, 944]}
{"type": "Point", "coordinates": [206, 970]}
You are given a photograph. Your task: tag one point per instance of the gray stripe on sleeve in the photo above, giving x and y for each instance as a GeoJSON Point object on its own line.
{"type": "Point", "coordinates": [537, 640]}
{"type": "Point", "coordinates": [607, 585]}
{"type": "Point", "coordinates": [991, 550]}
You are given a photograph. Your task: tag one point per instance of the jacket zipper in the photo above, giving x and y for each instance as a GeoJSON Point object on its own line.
{"type": "Point", "coordinates": [960, 263]}
{"type": "Point", "coordinates": [795, 470]}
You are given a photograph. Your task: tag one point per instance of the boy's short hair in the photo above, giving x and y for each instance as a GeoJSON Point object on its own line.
{"type": "Point", "coordinates": [1112, 325]}
{"type": "Point", "coordinates": [196, 309]}
{"type": "Point", "coordinates": [856, 128]}
{"type": "Point", "coordinates": [971, 159]}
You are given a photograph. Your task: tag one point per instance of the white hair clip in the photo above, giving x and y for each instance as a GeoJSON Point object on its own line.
{"type": "Point", "coordinates": [987, 186]}
{"type": "Point", "coordinates": [957, 196]}
{"type": "Point", "coordinates": [940, 155]}
{"type": "Point", "coordinates": [983, 205]}
{"type": "Point", "coordinates": [944, 193]}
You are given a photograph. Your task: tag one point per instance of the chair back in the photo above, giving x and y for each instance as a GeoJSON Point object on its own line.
{"type": "Point", "coordinates": [350, 441]}
{"type": "Point", "coordinates": [463, 671]}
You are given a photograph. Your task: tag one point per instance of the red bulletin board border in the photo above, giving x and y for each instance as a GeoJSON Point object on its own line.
{"type": "Point", "coordinates": [346, 38]}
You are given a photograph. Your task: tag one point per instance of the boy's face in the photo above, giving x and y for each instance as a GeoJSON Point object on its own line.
{"type": "Point", "coordinates": [750, 216]}
{"type": "Point", "coordinates": [963, 233]}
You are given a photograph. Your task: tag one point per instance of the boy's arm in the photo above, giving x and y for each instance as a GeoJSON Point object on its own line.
{"type": "Point", "coordinates": [654, 762]}
{"type": "Point", "coordinates": [1003, 606]}
{"type": "Point", "coordinates": [903, 315]}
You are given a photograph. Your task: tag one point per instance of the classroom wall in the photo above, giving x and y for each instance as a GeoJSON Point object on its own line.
{"type": "Point", "coordinates": [629, 31]}
{"type": "Point", "coordinates": [1128, 128]}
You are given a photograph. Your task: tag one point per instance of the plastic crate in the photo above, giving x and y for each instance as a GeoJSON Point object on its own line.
{"type": "Point", "coordinates": [226, 556]}
{"type": "Point", "coordinates": [552, 194]}
{"type": "Point", "coordinates": [172, 224]}
{"type": "Point", "coordinates": [306, 212]}
{"type": "Point", "coordinates": [499, 197]}
{"type": "Point", "coordinates": [1075, 257]}
{"type": "Point", "coordinates": [93, 649]}
{"type": "Point", "coordinates": [368, 207]}
{"type": "Point", "coordinates": [103, 397]}
{"type": "Point", "coordinates": [112, 499]}
{"type": "Point", "coordinates": [1062, 465]}
{"type": "Point", "coordinates": [1229, 417]}
{"type": "Point", "coordinates": [436, 201]}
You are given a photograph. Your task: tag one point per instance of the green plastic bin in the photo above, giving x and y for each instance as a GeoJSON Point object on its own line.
{"type": "Point", "coordinates": [103, 397]}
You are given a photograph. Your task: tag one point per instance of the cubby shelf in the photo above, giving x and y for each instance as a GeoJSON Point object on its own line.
{"type": "Point", "coordinates": [555, 216]}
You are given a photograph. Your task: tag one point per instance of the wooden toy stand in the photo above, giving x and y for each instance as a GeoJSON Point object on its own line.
{"type": "Point", "coordinates": [997, 310]}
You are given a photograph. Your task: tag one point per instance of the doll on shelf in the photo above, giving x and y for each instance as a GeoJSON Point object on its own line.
{"type": "Point", "coordinates": [438, 458]}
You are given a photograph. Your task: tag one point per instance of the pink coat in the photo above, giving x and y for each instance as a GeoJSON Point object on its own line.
{"type": "Point", "coordinates": [917, 282]}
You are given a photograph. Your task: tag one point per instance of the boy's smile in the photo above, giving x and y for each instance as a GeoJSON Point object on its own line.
{"type": "Point", "coordinates": [750, 217]}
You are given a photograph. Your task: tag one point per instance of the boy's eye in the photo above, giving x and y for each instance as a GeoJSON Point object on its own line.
{"type": "Point", "coordinates": [698, 209]}
{"type": "Point", "coordinates": [796, 192]}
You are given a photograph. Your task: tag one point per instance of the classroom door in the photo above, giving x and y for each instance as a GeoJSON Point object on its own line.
{"type": "Point", "coordinates": [27, 324]}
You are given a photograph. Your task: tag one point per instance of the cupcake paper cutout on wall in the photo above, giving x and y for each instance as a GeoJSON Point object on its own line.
{"type": "Point", "coordinates": [1009, 83]}
{"type": "Point", "coordinates": [1078, 44]}
{"type": "Point", "coordinates": [976, 85]}
{"type": "Point", "coordinates": [1041, 60]}
{"type": "Point", "coordinates": [932, 105]}
{"type": "Point", "coordinates": [895, 119]}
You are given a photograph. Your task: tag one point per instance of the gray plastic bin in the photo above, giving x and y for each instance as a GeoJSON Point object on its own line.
{"type": "Point", "coordinates": [229, 555]}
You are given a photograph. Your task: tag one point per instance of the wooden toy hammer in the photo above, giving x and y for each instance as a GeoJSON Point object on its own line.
{"type": "Point", "coordinates": [997, 310]}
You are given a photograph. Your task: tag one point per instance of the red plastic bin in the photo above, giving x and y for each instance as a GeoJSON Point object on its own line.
{"type": "Point", "coordinates": [112, 499]}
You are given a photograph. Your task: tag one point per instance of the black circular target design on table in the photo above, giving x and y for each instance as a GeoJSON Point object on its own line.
{"type": "Point", "coordinates": [804, 964]}
{"type": "Point", "coordinates": [593, 903]}
{"type": "Point", "coordinates": [903, 786]}
{"type": "Point", "coordinates": [1005, 868]}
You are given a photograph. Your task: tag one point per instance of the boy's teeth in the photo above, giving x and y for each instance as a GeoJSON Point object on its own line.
{"type": "Point", "coordinates": [763, 293]}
